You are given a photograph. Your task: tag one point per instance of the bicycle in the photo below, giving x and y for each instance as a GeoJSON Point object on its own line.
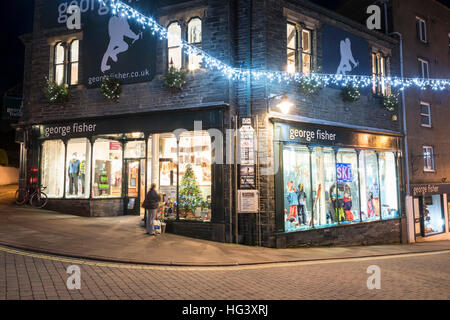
{"type": "Point", "coordinates": [33, 195]}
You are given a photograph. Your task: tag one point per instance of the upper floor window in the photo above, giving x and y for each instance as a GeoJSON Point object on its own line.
{"type": "Point", "coordinates": [428, 158]}
{"type": "Point", "coordinates": [421, 28]}
{"type": "Point", "coordinates": [174, 46]}
{"type": "Point", "coordinates": [379, 63]}
{"type": "Point", "coordinates": [423, 68]}
{"type": "Point", "coordinates": [66, 62]}
{"type": "Point", "coordinates": [299, 49]}
{"type": "Point", "coordinates": [194, 31]}
{"type": "Point", "coordinates": [425, 114]}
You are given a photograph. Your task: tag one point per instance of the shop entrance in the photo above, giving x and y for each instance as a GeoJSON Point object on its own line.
{"type": "Point", "coordinates": [134, 186]}
{"type": "Point", "coordinates": [429, 215]}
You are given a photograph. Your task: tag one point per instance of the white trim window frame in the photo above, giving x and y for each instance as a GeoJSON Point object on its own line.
{"type": "Point", "coordinates": [425, 113]}
{"type": "Point", "coordinates": [424, 71]}
{"type": "Point", "coordinates": [421, 27]}
{"type": "Point", "coordinates": [428, 159]}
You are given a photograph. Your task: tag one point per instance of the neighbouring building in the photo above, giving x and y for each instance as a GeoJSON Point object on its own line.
{"type": "Point", "coordinates": [326, 171]}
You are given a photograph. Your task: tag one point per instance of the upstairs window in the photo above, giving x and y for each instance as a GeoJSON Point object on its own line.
{"type": "Point", "coordinates": [421, 28]}
{"type": "Point", "coordinates": [425, 114]}
{"type": "Point", "coordinates": [174, 46]}
{"type": "Point", "coordinates": [379, 74]}
{"type": "Point", "coordinates": [194, 32]}
{"type": "Point", "coordinates": [66, 62]}
{"type": "Point", "coordinates": [299, 49]}
{"type": "Point", "coordinates": [423, 68]}
{"type": "Point", "coordinates": [428, 158]}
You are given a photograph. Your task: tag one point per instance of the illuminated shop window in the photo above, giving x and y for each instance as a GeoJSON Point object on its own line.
{"type": "Point", "coordinates": [174, 46]}
{"type": "Point", "coordinates": [167, 165]}
{"type": "Point", "coordinates": [52, 168]}
{"type": "Point", "coordinates": [348, 185]}
{"type": "Point", "coordinates": [78, 168]}
{"type": "Point", "coordinates": [107, 173]}
{"type": "Point", "coordinates": [195, 38]}
{"type": "Point", "coordinates": [388, 185]}
{"type": "Point", "coordinates": [370, 190]}
{"type": "Point", "coordinates": [433, 217]}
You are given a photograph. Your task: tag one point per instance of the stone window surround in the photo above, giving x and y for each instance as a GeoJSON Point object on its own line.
{"type": "Point", "coordinates": [182, 17]}
{"type": "Point", "coordinates": [67, 39]}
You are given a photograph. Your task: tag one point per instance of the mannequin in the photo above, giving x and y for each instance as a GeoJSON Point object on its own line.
{"type": "Point", "coordinates": [83, 173]}
{"type": "Point", "coordinates": [292, 203]}
{"type": "Point", "coordinates": [74, 171]}
{"type": "Point", "coordinates": [301, 194]}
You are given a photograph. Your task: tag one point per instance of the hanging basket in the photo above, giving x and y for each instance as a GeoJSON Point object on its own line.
{"type": "Point", "coordinates": [390, 102]}
{"type": "Point", "coordinates": [56, 93]}
{"type": "Point", "coordinates": [351, 94]}
{"type": "Point", "coordinates": [175, 79]}
{"type": "Point", "coordinates": [111, 89]}
{"type": "Point", "coordinates": [309, 86]}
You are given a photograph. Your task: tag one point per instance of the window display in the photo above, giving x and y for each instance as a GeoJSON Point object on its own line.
{"type": "Point", "coordinates": [326, 186]}
{"type": "Point", "coordinates": [168, 176]}
{"type": "Point", "coordinates": [433, 218]}
{"type": "Point", "coordinates": [107, 175]}
{"type": "Point", "coordinates": [78, 168]}
{"type": "Point", "coordinates": [52, 168]}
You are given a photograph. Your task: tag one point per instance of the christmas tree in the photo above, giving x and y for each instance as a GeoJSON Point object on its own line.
{"type": "Point", "coordinates": [190, 196]}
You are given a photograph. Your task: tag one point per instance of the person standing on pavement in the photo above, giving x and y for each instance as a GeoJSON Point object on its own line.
{"type": "Point", "coordinates": [151, 204]}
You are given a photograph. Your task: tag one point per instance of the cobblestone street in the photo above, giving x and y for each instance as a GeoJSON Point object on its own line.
{"type": "Point", "coordinates": [25, 275]}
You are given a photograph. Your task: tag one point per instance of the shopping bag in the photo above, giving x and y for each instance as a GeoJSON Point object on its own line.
{"type": "Point", "coordinates": [157, 226]}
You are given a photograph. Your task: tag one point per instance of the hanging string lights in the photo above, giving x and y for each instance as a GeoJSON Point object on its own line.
{"type": "Point", "coordinates": [211, 63]}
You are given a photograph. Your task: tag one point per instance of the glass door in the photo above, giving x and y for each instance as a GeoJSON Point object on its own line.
{"type": "Point", "coordinates": [133, 187]}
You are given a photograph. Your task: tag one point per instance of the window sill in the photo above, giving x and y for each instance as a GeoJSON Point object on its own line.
{"type": "Point", "coordinates": [429, 171]}
{"type": "Point", "coordinates": [425, 126]}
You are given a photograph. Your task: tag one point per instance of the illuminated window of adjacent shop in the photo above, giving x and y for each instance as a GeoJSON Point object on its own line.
{"type": "Point", "coordinates": [299, 48]}
{"type": "Point", "coordinates": [425, 114]}
{"type": "Point", "coordinates": [107, 168]}
{"type": "Point", "coordinates": [52, 168]}
{"type": "Point", "coordinates": [78, 168]}
{"type": "Point", "coordinates": [194, 31]}
{"type": "Point", "coordinates": [174, 52]}
{"type": "Point", "coordinates": [428, 158]}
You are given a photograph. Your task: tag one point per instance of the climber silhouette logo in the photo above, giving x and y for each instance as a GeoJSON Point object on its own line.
{"type": "Point", "coordinates": [118, 29]}
{"type": "Point", "coordinates": [346, 58]}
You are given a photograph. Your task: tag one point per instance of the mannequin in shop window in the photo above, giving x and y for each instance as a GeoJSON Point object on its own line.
{"type": "Point", "coordinates": [301, 195]}
{"type": "Point", "coordinates": [74, 171]}
{"type": "Point", "coordinates": [292, 199]}
{"type": "Point", "coordinates": [83, 174]}
{"type": "Point", "coordinates": [348, 206]}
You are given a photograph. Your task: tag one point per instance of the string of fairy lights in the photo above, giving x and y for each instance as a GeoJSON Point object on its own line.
{"type": "Point", "coordinates": [316, 79]}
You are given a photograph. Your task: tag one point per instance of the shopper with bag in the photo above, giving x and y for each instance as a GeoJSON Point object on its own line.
{"type": "Point", "coordinates": [151, 204]}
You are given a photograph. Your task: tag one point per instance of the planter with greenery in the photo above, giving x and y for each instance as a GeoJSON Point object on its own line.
{"type": "Point", "coordinates": [175, 79]}
{"type": "Point", "coordinates": [351, 94]}
{"type": "Point", "coordinates": [111, 89]}
{"type": "Point", "coordinates": [56, 93]}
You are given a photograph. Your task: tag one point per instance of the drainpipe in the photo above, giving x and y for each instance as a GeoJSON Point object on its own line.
{"type": "Point", "coordinates": [386, 27]}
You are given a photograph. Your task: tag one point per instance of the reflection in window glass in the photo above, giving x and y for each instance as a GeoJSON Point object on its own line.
{"type": "Point", "coordinates": [195, 176]}
{"type": "Point", "coordinates": [174, 45]}
{"type": "Point", "coordinates": [433, 220]}
{"type": "Point", "coordinates": [348, 184]}
{"type": "Point", "coordinates": [78, 168]}
{"type": "Point", "coordinates": [388, 185]}
{"type": "Point", "coordinates": [107, 175]}
{"type": "Point", "coordinates": [324, 185]}
{"type": "Point", "coordinates": [370, 192]}
{"type": "Point", "coordinates": [52, 168]}
{"type": "Point", "coordinates": [297, 188]}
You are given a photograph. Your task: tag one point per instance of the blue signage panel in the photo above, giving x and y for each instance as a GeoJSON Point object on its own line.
{"type": "Point", "coordinates": [344, 172]}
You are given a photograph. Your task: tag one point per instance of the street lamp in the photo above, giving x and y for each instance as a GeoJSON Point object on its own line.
{"type": "Point", "coordinates": [284, 105]}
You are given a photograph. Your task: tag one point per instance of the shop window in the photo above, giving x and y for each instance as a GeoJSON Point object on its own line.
{"type": "Point", "coordinates": [174, 46]}
{"type": "Point", "coordinates": [423, 68]}
{"type": "Point", "coordinates": [78, 168]}
{"type": "Point", "coordinates": [432, 215]}
{"type": "Point", "coordinates": [379, 63]}
{"type": "Point", "coordinates": [388, 185]}
{"type": "Point", "coordinates": [52, 168]}
{"type": "Point", "coordinates": [134, 149]}
{"type": "Point", "coordinates": [107, 174]}
{"type": "Point", "coordinates": [324, 195]}
{"type": "Point", "coordinates": [297, 188]}
{"type": "Point", "coordinates": [195, 38]}
{"type": "Point", "coordinates": [168, 173]}
{"type": "Point", "coordinates": [428, 158]}
{"type": "Point", "coordinates": [299, 49]}
{"type": "Point", "coordinates": [370, 191]}
{"type": "Point", "coordinates": [425, 114]}
{"type": "Point", "coordinates": [421, 28]}
{"type": "Point", "coordinates": [348, 186]}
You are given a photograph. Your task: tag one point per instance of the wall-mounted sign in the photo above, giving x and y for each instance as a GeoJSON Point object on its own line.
{"type": "Point", "coordinates": [430, 189]}
{"type": "Point", "coordinates": [344, 53]}
{"type": "Point", "coordinates": [12, 108]}
{"type": "Point", "coordinates": [112, 45]}
{"type": "Point", "coordinates": [247, 177]}
{"type": "Point", "coordinates": [248, 201]}
{"type": "Point", "coordinates": [247, 143]}
{"type": "Point", "coordinates": [344, 172]}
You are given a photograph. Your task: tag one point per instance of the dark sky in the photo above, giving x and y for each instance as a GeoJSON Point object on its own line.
{"type": "Point", "coordinates": [16, 18]}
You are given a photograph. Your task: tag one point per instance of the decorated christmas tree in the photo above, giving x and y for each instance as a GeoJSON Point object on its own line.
{"type": "Point", "coordinates": [190, 196]}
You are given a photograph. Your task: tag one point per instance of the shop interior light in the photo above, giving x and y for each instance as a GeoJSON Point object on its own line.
{"type": "Point", "coordinates": [136, 135]}
{"type": "Point", "coordinates": [285, 104]}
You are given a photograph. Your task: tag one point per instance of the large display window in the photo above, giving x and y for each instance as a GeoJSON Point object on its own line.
{"type": "Point", "coordinates": [432, 214]}
{"type": "Point", "coordinates": [52, 168]}
{"type": "Point", "coordinates": [325, 186]}
{"type": "Point", "coordinates": [78, 168]}
{"type": "Point", "coordinates": [107, 173]}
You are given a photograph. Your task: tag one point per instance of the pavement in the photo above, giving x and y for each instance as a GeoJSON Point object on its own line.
{"type": "Point", "coordinates": [123, 240]}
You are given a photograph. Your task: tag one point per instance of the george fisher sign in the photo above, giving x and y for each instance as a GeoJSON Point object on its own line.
{"type": "Point", "coordinates": [429, 189]}
{"type": "Point", "coordinates": [112, 46]}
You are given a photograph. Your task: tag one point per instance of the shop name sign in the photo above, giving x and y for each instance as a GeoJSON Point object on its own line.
{"type": "Point", "coordinates": [73, 129]}
{"type": "Point", "coordinates": [309, 135]}
{"type": "Point", "coordinates": [425, 189]}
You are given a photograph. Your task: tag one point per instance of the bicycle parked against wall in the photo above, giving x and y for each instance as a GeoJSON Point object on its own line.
{"type": "Point", "coordinates": [32, 194]}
